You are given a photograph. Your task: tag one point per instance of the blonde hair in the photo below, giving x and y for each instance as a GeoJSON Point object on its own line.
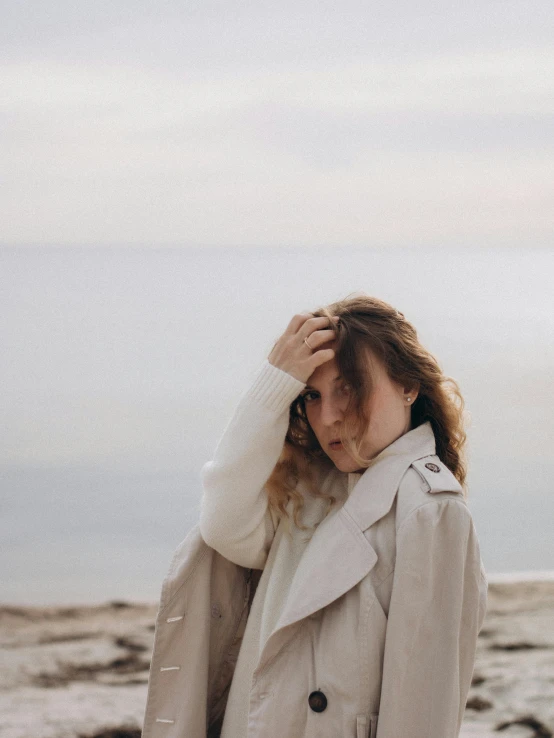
{"type": "Point", "coordinates": [368, 324]}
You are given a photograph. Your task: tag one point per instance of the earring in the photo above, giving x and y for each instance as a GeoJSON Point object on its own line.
{"type": "Point", "coordinates": [408, 399]}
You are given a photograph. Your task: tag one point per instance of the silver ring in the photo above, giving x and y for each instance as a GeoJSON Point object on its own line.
{"type": "Point", "coordinates": [307, 344]}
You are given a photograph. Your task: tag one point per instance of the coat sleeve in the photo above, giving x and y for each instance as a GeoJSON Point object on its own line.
{"type": "Point", "coordinates": [437, 607]}
{"type": "Point", "coordinates": [235, 518]}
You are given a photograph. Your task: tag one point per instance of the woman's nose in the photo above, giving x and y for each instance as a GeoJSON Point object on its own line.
{"type": "Point", "coordinates": [330, 413]}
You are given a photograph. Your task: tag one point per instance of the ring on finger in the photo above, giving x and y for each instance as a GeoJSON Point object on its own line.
{"type": "Point", "coordinates": [306, 342]}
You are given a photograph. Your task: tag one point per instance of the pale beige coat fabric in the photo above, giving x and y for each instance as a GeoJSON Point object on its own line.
{"type": "Point", "coordinates": [382, 618]}
{"type": "Point", "coordinates": [271, 595]}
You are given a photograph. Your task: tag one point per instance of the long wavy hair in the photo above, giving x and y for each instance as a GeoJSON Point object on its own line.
{"type": "Point", "coordinates": [368, 324]}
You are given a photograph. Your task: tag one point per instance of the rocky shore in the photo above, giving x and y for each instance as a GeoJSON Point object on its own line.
{"type": "Point", "coordinates": [82, 671]}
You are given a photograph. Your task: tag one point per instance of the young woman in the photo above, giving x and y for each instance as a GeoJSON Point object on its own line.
{"type": "Point", "coordinates": [334, 584]}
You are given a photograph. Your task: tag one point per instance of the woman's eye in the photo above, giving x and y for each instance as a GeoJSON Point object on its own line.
{"type": "Point", "coordinates": [306, 396]}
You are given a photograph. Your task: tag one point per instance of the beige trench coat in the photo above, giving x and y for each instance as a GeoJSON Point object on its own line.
{"type": "Point", "coordinates": [381, 621]}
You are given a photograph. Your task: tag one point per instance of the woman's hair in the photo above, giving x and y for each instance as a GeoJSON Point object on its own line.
{"type": "Point", "coordinates": [368, 324]}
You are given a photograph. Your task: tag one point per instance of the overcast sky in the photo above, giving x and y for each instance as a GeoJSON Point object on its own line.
{"type": "Point", "coordinates": [290, 123]}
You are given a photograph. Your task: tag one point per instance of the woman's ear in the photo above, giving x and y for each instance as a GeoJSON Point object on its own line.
{"type": "Point", "coordinates": [410, 394]}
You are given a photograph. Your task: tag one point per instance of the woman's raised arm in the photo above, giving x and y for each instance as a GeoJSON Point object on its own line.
{"type": "Point", "coordinates": [235, 518]}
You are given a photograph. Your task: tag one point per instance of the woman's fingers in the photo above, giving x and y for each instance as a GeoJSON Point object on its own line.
{"type": "Point", "coordinates": [293, 355]}
{"type": "Point", "coordinates": [296, 322]}
{"type": "Point", "coordinates": [318, 337]}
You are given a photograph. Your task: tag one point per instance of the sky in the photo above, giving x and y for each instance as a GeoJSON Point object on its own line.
{"type": "Point", "coordinates": [277, 124]}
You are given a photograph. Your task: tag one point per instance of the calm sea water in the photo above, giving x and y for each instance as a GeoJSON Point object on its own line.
{"type": "Point", "coordinates": [121, 368]}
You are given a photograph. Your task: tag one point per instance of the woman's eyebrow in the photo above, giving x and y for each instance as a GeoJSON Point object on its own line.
{"type": "Point", "coordinates": [336, 379]}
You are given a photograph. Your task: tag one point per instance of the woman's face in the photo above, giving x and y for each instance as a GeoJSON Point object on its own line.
{"type": "Point", "coordinates": [326, 398]}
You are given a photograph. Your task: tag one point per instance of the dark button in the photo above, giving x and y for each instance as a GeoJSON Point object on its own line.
{"type": "Point", "coordinates": [317, 701]}
{"type": "Point", "coordinates": [433, 467]}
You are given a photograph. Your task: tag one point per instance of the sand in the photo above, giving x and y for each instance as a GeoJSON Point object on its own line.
{"type": "Point", "coordinates": [82, 671]}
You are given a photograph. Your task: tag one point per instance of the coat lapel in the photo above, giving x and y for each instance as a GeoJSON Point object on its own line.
{"type": "Point", "coordinates": [339, 555]}
{"type": "Point", "coordinates": [373, 495]}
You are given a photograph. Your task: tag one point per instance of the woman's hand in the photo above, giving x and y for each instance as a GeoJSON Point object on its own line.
{"type": "Point", "coordinates": [291, 354]}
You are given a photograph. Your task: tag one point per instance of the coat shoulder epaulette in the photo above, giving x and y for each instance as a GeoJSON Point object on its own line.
{"type": "Point", "coordinates": [436, 475]}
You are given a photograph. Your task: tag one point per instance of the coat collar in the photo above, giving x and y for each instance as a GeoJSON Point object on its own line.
{"type": "Point", "coordinates": [373, 492]}
{"type": "Point", "coordinates": [339, 555]}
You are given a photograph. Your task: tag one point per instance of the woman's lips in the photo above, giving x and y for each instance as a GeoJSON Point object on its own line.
{"type": "Point", "coordinates": [335, 446]}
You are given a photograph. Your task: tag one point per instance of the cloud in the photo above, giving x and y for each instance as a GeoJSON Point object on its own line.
{"type": "Point", "coordinates": [232, 125]}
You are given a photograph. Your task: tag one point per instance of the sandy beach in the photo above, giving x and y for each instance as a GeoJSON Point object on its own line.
{"type": "Point", "coordinates": [82, 671]}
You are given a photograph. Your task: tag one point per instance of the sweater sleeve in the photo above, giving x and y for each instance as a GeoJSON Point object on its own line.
{"type": "Point", "coordinates": [235, 518]}
{"type": "Point", "coordinates": [437, 607]}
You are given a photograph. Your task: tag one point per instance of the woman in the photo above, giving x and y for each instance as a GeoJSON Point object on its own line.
{"type": "Point", "coordinates": [333, 585]}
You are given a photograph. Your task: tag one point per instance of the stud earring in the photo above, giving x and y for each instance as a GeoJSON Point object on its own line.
{"type": "Point", "coordinates": [408, 399]}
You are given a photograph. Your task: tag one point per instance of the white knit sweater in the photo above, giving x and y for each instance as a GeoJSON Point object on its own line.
{"type": "Point", "coordinates": [236, 521]}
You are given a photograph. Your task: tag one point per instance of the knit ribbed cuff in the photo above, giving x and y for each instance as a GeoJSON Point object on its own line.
{"type": "Point", "coordinates": [274, 388]}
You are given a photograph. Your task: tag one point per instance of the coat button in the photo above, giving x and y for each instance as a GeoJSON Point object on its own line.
{"type": "Point", "coordinates": [433, 467]}
{"type": "Point", "coordinates": [216, 610]}
{"type": "Point", "coordinates": [317, 701]}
